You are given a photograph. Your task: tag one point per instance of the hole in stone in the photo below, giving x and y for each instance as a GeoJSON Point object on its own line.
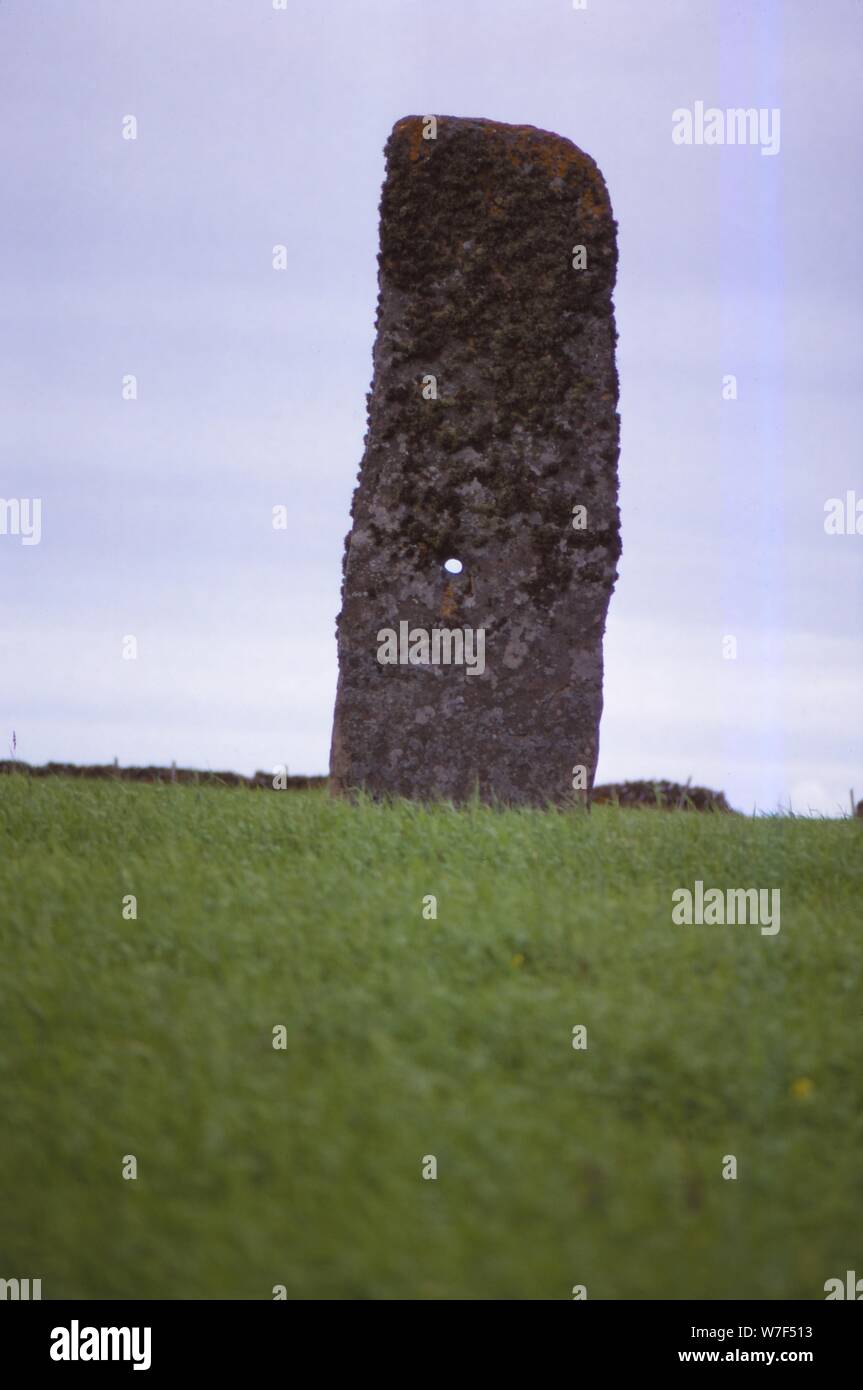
{"type": "Point", "coordinates": [453, 566]}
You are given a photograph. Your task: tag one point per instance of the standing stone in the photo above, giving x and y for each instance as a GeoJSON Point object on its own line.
{"type": "Point", "coordinates": [492, 440]}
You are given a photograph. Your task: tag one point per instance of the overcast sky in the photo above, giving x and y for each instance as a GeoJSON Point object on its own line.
{"type": "Point", "coordinates": [152, 257]}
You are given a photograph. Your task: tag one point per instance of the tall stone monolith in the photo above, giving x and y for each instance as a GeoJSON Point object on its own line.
{"type": "Point", "coordinates": [492, 443]}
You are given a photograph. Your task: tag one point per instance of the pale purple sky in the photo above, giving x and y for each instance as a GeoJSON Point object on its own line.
{"type": "Point", "coordinates": [153, 257]}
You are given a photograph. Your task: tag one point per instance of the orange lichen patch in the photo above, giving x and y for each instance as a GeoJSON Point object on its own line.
{"type": "Point", "coordinates": [521, 146]}
{"type": "Point", "coordinates": [412, 126]}
{"type": "Point", "coordinates": [527, 145]}
{"type": "Point", "coordinates": [449, 603]}
{"type": "Point", "coordinates": [594, 201]}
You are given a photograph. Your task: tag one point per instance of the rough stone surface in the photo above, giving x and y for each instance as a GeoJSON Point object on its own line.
{"type": "Point", "coordinates": [478, 289]}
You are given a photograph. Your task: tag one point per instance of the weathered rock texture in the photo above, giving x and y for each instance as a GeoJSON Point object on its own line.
{"type": "Point", "coordinates": [478, 289]}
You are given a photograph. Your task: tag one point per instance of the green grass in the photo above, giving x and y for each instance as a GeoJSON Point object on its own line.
{"type": "Point", "coordinates": [409, 1037]}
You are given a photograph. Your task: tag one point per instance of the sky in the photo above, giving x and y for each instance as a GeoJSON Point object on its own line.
{"type": "Point", "coordinates": [152, 257]}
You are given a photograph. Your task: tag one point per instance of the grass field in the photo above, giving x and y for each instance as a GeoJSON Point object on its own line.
{"type": "Point", "coordinates": [409, 1037]}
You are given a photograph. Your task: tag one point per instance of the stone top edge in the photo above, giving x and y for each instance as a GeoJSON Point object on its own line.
{"type": "Point", "coordinates": [486, 123]}
{"type": "Point", "coordinates": [529, 138]}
